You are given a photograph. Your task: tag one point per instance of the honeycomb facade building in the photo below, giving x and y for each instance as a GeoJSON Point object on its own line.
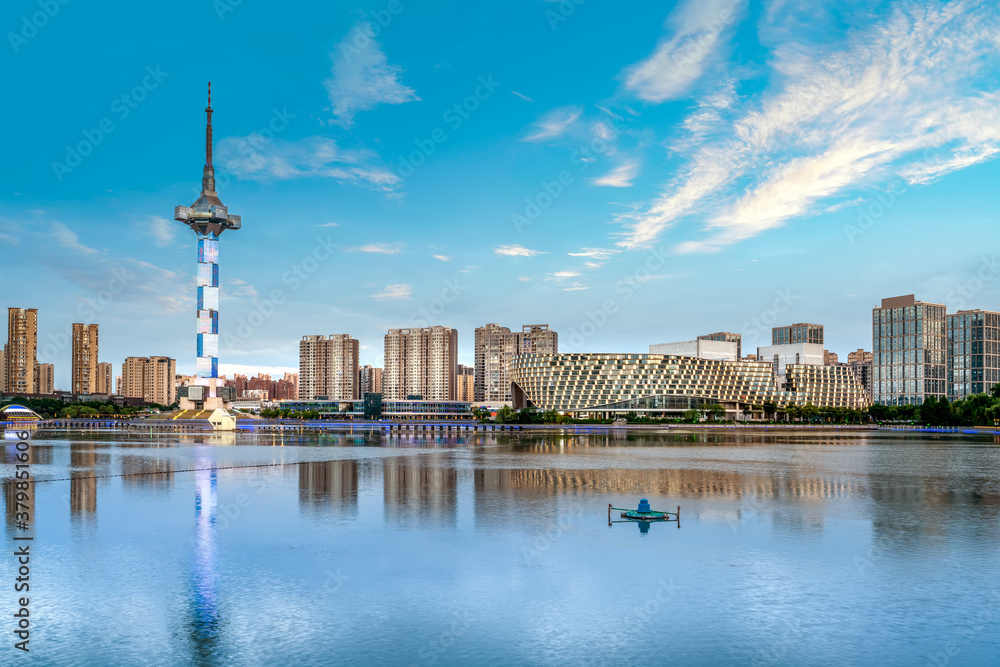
{"type": "Point", "coordinates": [664, 385]}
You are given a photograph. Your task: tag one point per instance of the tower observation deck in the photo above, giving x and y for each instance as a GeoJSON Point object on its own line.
{"type": "Point", "coordinates": [208, 218]}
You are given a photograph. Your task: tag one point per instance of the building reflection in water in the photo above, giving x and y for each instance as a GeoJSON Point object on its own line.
{"type": "Point", "coordinates": [148, 473]}
{"type": "Point", "coordinates": [788, 492]}
{"type": "Point", "coordinates": [418, 492]}
{"type": "Point", "coordinates": [329, 485]}
{"type": "Point", "coordinates": [37, 453]}
{"type": "Point", "coordinates": [83, 481]}
{"type": "Point", "coordinates": [205, 622]}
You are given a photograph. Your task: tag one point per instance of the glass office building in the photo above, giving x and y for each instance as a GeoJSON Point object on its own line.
{"type": "Point", "coordinates": [973, 352]}
{"type": "Point", "coordinates": [908, 343]}
{"type": "Point", "coordinates": [801, 332]}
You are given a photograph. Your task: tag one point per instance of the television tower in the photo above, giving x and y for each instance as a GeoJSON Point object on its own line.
{"type": "Point", "coordinates": [208, 217]}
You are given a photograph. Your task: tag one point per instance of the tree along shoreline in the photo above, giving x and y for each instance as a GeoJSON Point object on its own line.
{"type": "Point", "coordinates": [53, 408]}
{"type": "Point", "coordinates": [974, 410]}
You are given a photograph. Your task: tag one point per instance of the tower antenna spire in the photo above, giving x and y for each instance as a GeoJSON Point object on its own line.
{"type": "Point", "coordinates": [208, 177]}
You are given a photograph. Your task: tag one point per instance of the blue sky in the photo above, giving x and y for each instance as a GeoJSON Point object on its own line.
{"type": "Point", "coordinates": [628, 172]}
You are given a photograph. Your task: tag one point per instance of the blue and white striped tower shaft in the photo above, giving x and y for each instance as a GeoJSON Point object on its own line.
{"type": "Point", "coordinates": [208, 217]}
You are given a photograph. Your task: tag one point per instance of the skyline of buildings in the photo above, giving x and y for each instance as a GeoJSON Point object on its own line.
{"type": "Point", "coordinates": [963, 360]}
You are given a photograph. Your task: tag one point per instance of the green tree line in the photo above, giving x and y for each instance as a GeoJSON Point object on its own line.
{"type": "Point", "coordinates": [49, 408]}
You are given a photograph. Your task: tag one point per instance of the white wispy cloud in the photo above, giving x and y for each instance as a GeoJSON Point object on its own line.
{"type": "Point", "coordinates": [903, 98]}
{"type": "Point", "coordinates": [595, 253]}
{"type": "Point", "coordinates": [443, 258]}
{"type": "Point", "coordinates": [380, 248]}
{"type": "Point", "coordinates": [68, 239]}
{"type": "Point", "coordinates": [844, 204]}
{"type": "Point", "coordinates": [162, 230]}
{"type": "Point", "coordinates": [523, 97]}
{"type": "Point", "coordinates": [328, 224]}
{"type": "Point", "coordinates": [575, 287]}
{"type": "Point", "coordinates": [554, 123]}
{"type": "Point", "coordinates": [515, 251]}
{"type": "Point", "coordinates": [401, 291]}
{"type": "Point", "coordinates": [316, 157]}
{"type": "Point", "coordinates": [362, 78]}
{"type": "Point", "coordinates": [240, 288]}
{"type": "Point", "coordinates": [563, 275]}
{"type": "Point", "coordinates": [619, 177]}
{"type": "Point", "coordinates": [697, 29]}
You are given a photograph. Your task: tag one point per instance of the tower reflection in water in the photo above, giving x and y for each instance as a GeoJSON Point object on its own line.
{"type": "Point", "coordinates": [205, 624]}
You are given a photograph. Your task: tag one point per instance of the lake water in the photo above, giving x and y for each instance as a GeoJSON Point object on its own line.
{"type": "Point", "coordinates": [854, 548]}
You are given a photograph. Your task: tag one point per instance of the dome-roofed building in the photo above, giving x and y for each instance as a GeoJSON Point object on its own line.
{"type": "Point", "coordinates": [15, 414]}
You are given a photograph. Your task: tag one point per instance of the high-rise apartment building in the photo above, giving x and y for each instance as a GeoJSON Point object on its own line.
{"type": "Point", "coordinates": [909, 345]}
{"type": "Point", "coordinates": [797, 333]}
{"type": "Point", "coordinates": [466, 376]}
{"type": "Point", "coordinates": [46, 380]}
{"type": "Point", "coordinates": [119, 386]}
{"type": "Point", "coordinates": [328, 368]}
{"type": "Point", "coordinates": [369, 380]}
{"type": "Point", "coordinates": [3, 369]}
{"type": "Point", "coordinates": [22, 350]}
{"type": "Point", "coordinates": [103, 384]}
{"type": "Point", "coordinates": [84, 367]}
{"type": "Point", "coordinates": [973, 352]}
{"type": "Point", "coordinates": [421, 362]}
{"type": "Point", "coordinates": [830, 358]}
{"type": "Point", "coordinates": [860, 362]}
{"type": "Point", "coordinates": [726, 337]}
{"type": "Point", "coordinates": [495, 347]}
{"type": "Point", "coordinates": [150, 378]}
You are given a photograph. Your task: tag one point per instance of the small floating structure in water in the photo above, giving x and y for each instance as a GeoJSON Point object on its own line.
{"type": "Point", "coordinates": [644, 513]}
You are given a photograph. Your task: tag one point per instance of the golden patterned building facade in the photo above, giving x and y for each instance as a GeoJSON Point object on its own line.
{"type": "Point", "coordinates": [662, 384]}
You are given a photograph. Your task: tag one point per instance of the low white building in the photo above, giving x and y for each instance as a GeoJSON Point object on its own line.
{"type": "Point", "coordinates": [717, 350]}
{"type": "Point", "coordinates": [252, 404]}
